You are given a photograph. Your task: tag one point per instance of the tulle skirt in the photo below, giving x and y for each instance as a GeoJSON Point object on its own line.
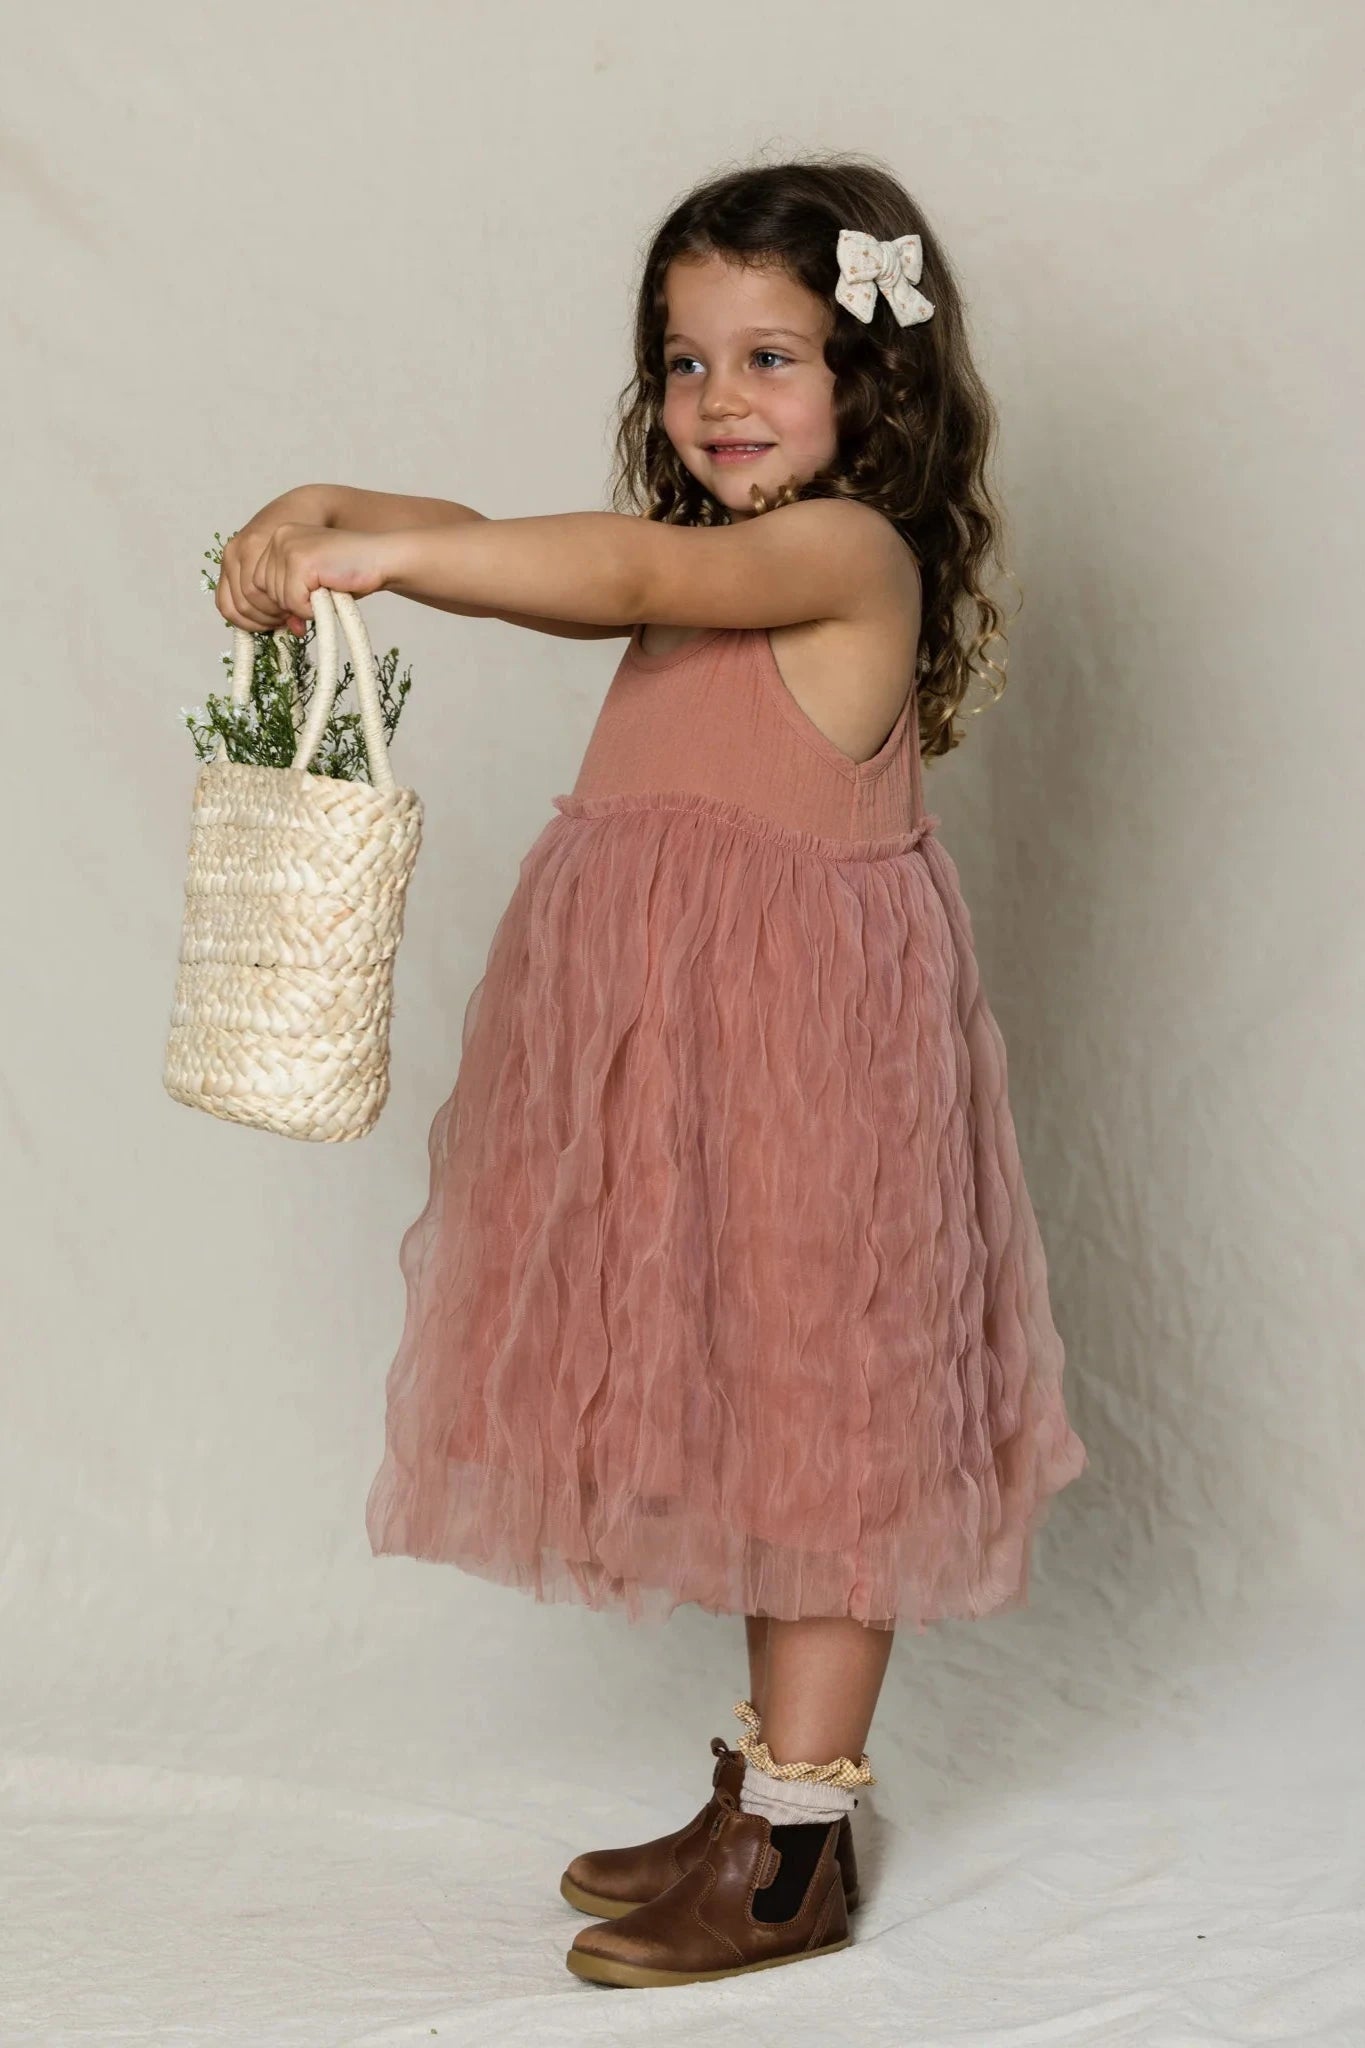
{"type": "Point", "coordinates": [728, 1289]}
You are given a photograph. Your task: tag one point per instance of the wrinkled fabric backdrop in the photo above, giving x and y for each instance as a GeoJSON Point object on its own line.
{"type": "Point", "coordinates": [262, 1788]}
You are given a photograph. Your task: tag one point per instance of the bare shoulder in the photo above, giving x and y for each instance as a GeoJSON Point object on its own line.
{"type": "Point", "coordinates": [852, 674]}
{"type": "Point", "coordinates": [866, 569]}
{"type": "Point", "coordinates": [800, 564]}
{"type": "Point", "coordinates": [850, 525]}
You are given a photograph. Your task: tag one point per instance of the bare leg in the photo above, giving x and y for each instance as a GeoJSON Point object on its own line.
{"type": "Point", "coordinates": [756, 1637]}
{"type": "Point", "coordinates": [822, 1678]}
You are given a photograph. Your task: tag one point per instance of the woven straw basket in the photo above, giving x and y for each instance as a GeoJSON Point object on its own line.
{"type": "Point", "coordinates": [293, 913]}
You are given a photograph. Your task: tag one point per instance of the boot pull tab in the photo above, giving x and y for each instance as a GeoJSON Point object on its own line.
{"type": "Point", "coordinates": [727, 1804]}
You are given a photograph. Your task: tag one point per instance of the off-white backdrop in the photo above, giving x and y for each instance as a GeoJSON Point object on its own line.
{"type": "Point", "coordinates": [262, 1788]}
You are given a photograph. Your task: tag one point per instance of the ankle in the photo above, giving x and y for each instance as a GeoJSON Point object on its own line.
{"type": "Point", "coordinates": [839, 1770]}
{"type": "Point", "coordinates": [798, 1791]}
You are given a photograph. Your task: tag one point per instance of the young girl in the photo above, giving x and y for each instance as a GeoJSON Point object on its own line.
{"type": "Point", "coordinates": [728, 1288]}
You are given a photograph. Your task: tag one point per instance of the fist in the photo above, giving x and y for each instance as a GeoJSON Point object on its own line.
{"type": "Point", "coordinates": [269, 577]}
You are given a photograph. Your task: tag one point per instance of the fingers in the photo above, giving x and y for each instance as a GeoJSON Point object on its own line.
{"type": "Point", "coordinates": [267, 577]}
{"type": "Point", "coordinates": [239, 613]}
{"type": "Point", "coordinates": [241, 600]}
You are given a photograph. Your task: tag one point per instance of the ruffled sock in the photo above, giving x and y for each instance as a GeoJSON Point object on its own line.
{"type": "Point", "coordinates": [799, 1800]}
{"type": "Point", "coordinates": [793, 1800]}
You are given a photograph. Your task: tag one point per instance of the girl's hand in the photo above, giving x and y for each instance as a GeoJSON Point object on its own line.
{"type": "Point", "coordinates": [240, 598]}
{"type": "Point", "coordinates": [293, 562]}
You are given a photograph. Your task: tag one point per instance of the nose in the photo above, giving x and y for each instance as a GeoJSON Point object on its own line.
{"type": "Point", "coordinates": [719, 401]}
{"type": "Point", "coordinates": [719, 414]}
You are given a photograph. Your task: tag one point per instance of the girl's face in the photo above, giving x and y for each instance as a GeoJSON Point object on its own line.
{"type": "Point", "coordinates": [744, 361]}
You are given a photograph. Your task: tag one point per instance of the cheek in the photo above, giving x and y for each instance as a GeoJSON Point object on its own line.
{"type": "Point", "coordinates": [805, 411]}
{"type": "Point", "coordinates": [677, 415]}
{"type": "Point", "coordinates": [807, 421]}
{"type": "Point", "coordinates": [678, 418]}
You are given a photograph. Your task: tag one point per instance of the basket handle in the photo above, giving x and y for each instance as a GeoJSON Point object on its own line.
{"type": "Point", "coordinates": [328, 607]}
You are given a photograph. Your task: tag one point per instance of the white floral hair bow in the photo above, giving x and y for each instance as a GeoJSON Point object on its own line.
{"type": "Point", "coordinates": [865, 264]}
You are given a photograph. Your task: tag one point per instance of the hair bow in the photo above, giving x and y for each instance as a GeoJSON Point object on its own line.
{"type": "Point", "coordinates": [865, 265]}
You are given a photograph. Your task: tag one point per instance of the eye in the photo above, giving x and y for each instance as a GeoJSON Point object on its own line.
{"type": "Point", "coordinates": [674, 361]}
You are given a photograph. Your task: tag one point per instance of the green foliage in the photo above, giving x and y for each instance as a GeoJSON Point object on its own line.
{"type": "Point", "coordinates": [265, 729]}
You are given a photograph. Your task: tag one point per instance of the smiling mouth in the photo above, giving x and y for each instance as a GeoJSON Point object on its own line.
{"type": "Point", "coordinates": [733, 450]}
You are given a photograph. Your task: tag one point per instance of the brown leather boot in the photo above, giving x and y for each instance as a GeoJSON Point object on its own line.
{"type": "Point", "coordinates": [608, 1882]}
{"type": "Point", "coordinates": [704, 1926]}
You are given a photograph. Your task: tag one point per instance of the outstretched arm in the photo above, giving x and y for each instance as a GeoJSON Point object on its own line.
{"type": "Point", "coordinates": [821, 558]}
{"type": "Point", "coordinates": [344, 506]}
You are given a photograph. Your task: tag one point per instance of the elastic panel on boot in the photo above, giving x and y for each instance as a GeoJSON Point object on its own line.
{"type": "Point", "coordinates": [800, 1843]}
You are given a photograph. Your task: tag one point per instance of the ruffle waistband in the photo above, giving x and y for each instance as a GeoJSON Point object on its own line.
{"type": "Point", "coordinates": [793, 838]}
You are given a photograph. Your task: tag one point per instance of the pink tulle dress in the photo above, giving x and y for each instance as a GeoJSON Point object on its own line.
{"type": "Point", "coordinates": [728, 1289]}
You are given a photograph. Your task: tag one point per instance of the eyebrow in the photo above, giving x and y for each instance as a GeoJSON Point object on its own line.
{"type": "Point", "coordinates": [795, 333]}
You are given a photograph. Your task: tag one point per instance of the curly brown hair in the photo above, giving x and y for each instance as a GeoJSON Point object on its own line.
{"type": "Point", "coordinates": [916, 425]}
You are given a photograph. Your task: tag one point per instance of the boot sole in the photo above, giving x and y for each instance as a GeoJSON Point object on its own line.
{"type": "Point", "coordinates": [612, 1909]}
{"type": "Point", "coordinates": [600, 1970]}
